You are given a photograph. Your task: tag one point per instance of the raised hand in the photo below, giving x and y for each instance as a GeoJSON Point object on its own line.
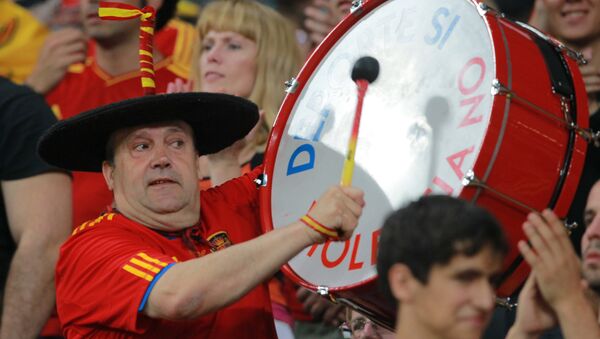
{"type": "Point", "coordinates": [322, 16]}
{"type": "Point", "coordinates": [61, 49]}
{"type": "Point", "coordinates": [338, 209]}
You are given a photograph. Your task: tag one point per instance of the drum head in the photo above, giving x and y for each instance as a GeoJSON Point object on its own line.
{"type": "Point", "coordinates": [423, 124]}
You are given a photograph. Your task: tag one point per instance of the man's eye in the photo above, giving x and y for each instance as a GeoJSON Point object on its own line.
{"type": "Point", "coordinates": [177, 143]}
{"type": "Point", "coordinates": [141, 147]}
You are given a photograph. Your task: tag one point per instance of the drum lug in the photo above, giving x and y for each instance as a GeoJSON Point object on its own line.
{"type": "Point", "coordinates": [324, 292]}
{"type": "Point", "coordinates": [261, 180]}
{"type": "Point", "coordinates": [357, 6]}
{"type": "Point", "coordinates": [498, 88]}
{"type": "Point", "coordinates": [570, 226]}
{"type": "Point", "coordinates": [506, 302]}
{"type": "Point", "coordinates": [483, 9]}
{"type": "Point", "coordinates": [471, 180]}
{"type": "Point", "coordinates": [291, 85]}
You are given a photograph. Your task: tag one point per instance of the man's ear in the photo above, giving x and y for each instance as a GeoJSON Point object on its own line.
{"type": "Point", "coordinates": [107, 171]}
{"type": "Point", "coordinates": [402, 282]}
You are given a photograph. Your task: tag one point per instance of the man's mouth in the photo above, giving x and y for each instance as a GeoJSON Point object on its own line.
{"type": "Point", "coordinates": [161, 182]}
{"type": "Point", "coordinates": [573, 14]}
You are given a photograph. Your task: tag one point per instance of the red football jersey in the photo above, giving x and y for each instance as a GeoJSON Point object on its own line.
{"type": "Point", "coordinates": [87, 86]}
{"type": "Point", "coordinates": [108, 267]}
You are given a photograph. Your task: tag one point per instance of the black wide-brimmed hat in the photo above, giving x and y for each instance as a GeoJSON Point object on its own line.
{"type": "Point", "coordinates": [79, 143]}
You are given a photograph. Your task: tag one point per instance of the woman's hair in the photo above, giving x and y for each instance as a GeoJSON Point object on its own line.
{"type": "Point", "coordinates": [278, 54]}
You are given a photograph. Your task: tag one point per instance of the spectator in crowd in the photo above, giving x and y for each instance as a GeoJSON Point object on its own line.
{"type": "Point", "coordinates": [577, 24]}
{"type": "Point", "coordinates": [361, 327]}
{"type": "Point", "coordinates": [167, 251]}
{"type": "Point", "coordinates": [438, 258]}
{"type": "Point", "coordinates": [111, 73]}
{"type": "Point", "coordinates": [35, 213]}
{"type": "Point", "coordinates": [554, 293]}
{"type": "Point", "coordinates": [249, 50]}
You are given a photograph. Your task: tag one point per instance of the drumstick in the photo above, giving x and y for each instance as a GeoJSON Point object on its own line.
{"type": "Point", "coordinates": [364, 72]}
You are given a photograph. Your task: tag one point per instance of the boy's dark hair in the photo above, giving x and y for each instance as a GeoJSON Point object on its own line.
{"type": "Point", "coordinates": [432, 230]}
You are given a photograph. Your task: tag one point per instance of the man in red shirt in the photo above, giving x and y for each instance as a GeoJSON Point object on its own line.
{"type": "Point", "coordinates": [167, 252]}
{"type": "Point", "coordinates": [109, 74]}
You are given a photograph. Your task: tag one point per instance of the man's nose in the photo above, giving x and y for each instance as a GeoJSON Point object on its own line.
{"type": "Point", "coordinates": [593, 229]}
{"type": "Point", "coordinates": [369, 331]}
{"type": "Point", "coordinates": [160, 158]}
{"type": "Point", "coordinates": [485, 296]}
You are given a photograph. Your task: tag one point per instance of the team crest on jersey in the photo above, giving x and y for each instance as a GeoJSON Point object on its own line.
{"type": "Point", "coordinates": [219, 241]}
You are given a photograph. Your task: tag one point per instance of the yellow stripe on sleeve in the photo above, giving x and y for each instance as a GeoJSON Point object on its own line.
{"type": "Point", "coordinates": [152, 260]}
{"type": "Point", "coordinates": [138, 273]}
{"type": "Point", "coordinates": [145, 265]}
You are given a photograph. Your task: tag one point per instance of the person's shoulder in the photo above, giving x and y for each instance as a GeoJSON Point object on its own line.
{"type": "Point", "coordinates": [241, 190]}
{"type": "Point", "coordinates": [21, 103]}
{"type": "Point", "coordinates": [10, 90]}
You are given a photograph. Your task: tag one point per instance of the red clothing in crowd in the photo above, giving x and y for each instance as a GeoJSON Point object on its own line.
{"type": "Point", "coordinates": [87, 86]}
{"type": "Point", "coordinates": [108, 267]}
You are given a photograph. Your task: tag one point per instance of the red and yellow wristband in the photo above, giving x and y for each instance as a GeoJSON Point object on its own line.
{"type": "Point", "coordinates": [328, 232]}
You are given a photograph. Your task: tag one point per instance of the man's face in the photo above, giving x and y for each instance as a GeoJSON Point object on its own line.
{"type": "Point", "coordinates": [363, 328]}
{"type": "Point", "coordinates": [575, 21]}
{"type": "Point", "coordinates": [154, 172]}
{"type": "Point", "coordinates": [590, 242]}
{"type": "Point", "coordinates": [458, 299]}
{"type": "Point", "coordinates": [108, 31]}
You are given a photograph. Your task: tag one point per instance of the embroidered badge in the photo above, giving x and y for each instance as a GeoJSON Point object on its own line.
{"type": "Point", "coordinates": [219, 241]}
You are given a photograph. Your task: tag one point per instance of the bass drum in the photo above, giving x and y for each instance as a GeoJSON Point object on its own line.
{"type": "Point", "coordinates": [467, 103]}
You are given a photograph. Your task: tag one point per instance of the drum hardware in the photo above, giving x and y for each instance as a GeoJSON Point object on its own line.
{"type": "Point", "coordinates": [262, 180]}
{"type": "Point", "coordinates": [291, 85]}
{"type": "Point", "coordinates": [357, 6]}
{"type": "Point", "coordinates": [570, 226]}
{"type": "Point", "coordinates": [506, 303]}
{"type": "Point", "coordinates": [324, 292]}
{"type": "Point", "coordinates": [483, 9]}
{"type": "Point", "coordinates": [588, 135]}
{"type": "Point", "coordinates": [559, 45]}
{"type": "Point", "coordinates": [470, 179]}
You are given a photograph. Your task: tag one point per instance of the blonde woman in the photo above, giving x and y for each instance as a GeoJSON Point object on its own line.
{"type": "Point", "coordinates": [249, 50]}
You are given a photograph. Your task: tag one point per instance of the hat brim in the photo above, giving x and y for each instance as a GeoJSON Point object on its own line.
{"type": "Point", "coordinates": [79, 143]}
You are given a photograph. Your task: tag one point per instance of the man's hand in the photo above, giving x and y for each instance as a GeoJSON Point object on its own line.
{"type": "Point", "coordinates": [320, 308]}
{"type": "Point", "coordinates": [338, 208]}
{"type": "Point", "coordinates": [322, 16]}
{"type": "Point", "coordinates": [61, 49]}
{"type": "Point", "coordinates": [552, 258]}
{"type": "Point", "coordinates": [534, 315]}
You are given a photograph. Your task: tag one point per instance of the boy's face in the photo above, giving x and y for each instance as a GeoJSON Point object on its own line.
{"type": "Point", "coordinates": [458, 299]}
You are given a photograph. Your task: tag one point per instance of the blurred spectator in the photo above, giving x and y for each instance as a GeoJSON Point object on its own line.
{"type": "Point", "coordinates": [35, 213]}
{"type": "Point", "coordinates": [361, 327]}
{"type": "Point", "coordinates": [249, 50]}
{"type": "Point", "coordinates": [111, 73]}
{"type": "Point", "coordinates": [21, 39]}
{"type": "Point", "coordinates": [438, 259]}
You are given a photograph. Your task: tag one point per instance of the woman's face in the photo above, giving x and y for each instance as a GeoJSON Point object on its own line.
{"type": "Point", "coordinates": [227, 63]}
